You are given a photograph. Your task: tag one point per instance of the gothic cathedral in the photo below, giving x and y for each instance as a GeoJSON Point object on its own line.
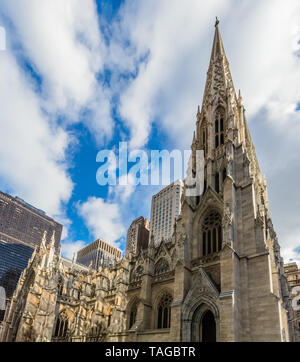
{"type": "Point", "coordinates": [219, 278]}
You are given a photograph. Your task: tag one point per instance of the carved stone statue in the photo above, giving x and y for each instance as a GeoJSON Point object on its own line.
{"type": "Point", "coordinates": [228, 224]}
{"type": "Point", "coordinates": [246, 165]}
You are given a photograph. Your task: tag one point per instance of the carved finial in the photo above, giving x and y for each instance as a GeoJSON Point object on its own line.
{"type": "Point", "coordinates": [151, 242]}
{"type": "Point", "coordinates": [240, 99]}
{"type": "Point", "coordinates": [53, 239]}
{"type": "Point", "coordinates": [198, 112]}
{"type": "Point", "coordinates": [44, 239]}
{"type": "Point", "coordinates": [217, 22]}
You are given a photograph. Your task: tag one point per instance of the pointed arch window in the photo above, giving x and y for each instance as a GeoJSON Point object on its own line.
{"type": "Point", "coordinates": [224, 173]}
{"type": "Point", "coordinates": [217, 182]}
{"type": "Point", "coordinates": [164, 311]}
{"type": "Point", "coordinates": [204, 243]}
{"type": "Point", "coordinates": [211, 234]}
{"type": "Point", "coordinates": [219, 127]}
{"type": "Point", "coordinates": [95, 333]}
{"type": "Point", "coordinates": [132, 315]}
{"type": "Point", "coordinates": [60, 287]}
{"type": "Point", "coordinates": [204, 135]}
{"type": "Point", "coordinates": [61, 328]}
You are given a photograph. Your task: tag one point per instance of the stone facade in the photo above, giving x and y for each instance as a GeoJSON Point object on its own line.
{"type": "Point", "coordinates": [293, 274]}
{"type": "Point", "coordinates": [220, 277]}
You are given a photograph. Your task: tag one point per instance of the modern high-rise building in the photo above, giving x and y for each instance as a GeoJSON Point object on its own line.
{"type": "Point", "coordinates": [22, 227]}
{"type": "Point", "coordinates": [99, 253]}
{"type": "Point", "coordinates": [23, 223]}
{"type": "Point", "coordinates": [13, 260]}
{"type": "Point", "coordinates": [293, 275]}
{"type": "Point", "coordinates": [165, 208]}
{"type": "Point", "coordinates": [138, 235]}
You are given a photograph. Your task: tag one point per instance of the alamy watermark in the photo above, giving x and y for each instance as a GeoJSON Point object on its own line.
{"type": "Point", "coordinates": [2, 38]}
{"type": "Point", "coordinates": [135, 167]}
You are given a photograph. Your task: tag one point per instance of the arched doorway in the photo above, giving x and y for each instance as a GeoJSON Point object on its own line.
{"type": "Point", "coordinates": [208, 327]}
{"type": "Point", "coordinates": [204, 325]}
{"type": "Point", "coordinates": [202, 298]}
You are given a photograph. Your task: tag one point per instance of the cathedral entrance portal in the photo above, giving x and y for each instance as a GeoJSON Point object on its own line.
{"type": "Point", "coordinates": [200, 311]}
{"type": "Point", "coordinates": [208, 327]}
{"type": "Point", "coordinates": [204, 325]}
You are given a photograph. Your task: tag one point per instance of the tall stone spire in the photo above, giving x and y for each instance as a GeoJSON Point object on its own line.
{"type": "Point", "coordinates": [219, 84]}
{"type": "Point", "coordinates": [221, 119]}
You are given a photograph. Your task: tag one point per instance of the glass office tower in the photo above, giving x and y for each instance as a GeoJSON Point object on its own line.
{"type": "Point", "coordinates": [13, 260]}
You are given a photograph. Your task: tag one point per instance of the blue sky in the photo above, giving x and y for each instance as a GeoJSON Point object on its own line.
{"type": "Point", "coordinates": [78, 77]}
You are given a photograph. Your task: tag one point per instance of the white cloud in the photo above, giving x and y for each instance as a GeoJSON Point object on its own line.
{"type": "Point", "coordinates": [63, 42]}
{"type": "Point", "coordinates": [168, 83]}
{"type": "Point", "coordinates": [291, 242]}
{"type": "Point", "coordinates": [179, 38]}
{"type": "Point", "coordinates": [121, 192]}
{"type": "Point", "coordinates": [103, 219]}
{"type": "Point", "coordinates": [68, 249]}
{"type": "Point", "coordinates": [32, 153]}
{"type": "Point", "coordinates": [64, 46]}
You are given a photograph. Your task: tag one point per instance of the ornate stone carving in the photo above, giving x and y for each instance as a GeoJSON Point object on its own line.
{"type": "Point", "coordinates": [228, 225]}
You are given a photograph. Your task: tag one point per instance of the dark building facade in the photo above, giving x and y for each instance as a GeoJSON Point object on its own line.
{"type": "Point", "coordinates": [13, 260]}
{"type": "Point", "coordinates": [138, 236]}
{"type": "Point", "coordinates": [99, 253]}
{"type": "Point", "coordinates": [22, 223]}
{"type": "Point", "coordinates": [22, 227]}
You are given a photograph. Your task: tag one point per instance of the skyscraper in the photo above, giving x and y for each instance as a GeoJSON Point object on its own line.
{"type": "Point", "coordinates": [23, 223]}
{"type": "Point", "coordinates": [138, 235]}
{"type": "Point", "coordinates": [98, 253]}
{"type": "Point", "coordinates": [165, 208]}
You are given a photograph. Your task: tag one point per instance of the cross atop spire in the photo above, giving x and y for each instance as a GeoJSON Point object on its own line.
{"type": "Point", "coordinates": [217, 22]}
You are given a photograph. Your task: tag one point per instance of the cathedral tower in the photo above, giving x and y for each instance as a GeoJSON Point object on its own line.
{"type": "Point", "coordinates": [231, 268]}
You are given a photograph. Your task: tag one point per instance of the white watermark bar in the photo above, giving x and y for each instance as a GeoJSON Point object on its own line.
{"type": "Point", "coordinates": [2, 39]}
{"type": "Point", "coordinates": [135, 168]}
